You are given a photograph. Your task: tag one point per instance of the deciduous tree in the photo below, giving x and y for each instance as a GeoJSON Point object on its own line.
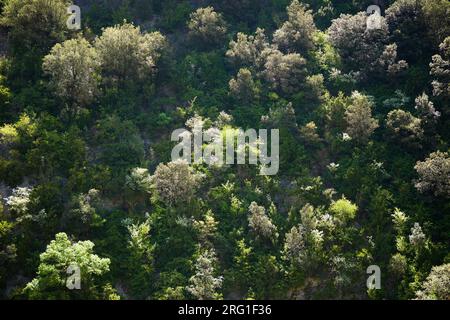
{"type": "Point", "coordinates": [260, 223]}
{"type": "Point", "coordinates": [247, 50]}
{"type": "Point", "coordinates": [437, 284]}
{"type": "Point", "coordinates": [285, 72]}
{"type": "Point", "coordinates": [364, 50]}
{"type": "Point", "coordinates": [434, 174]}
{"type": "Point", "coordinates": [73, 67]}
{"type": "Point", "coordinates": [207, 25]}
{"type": "Point", "coordinates": [404, 127]}
{"type": "Point", "coordinates": [128, 54]}
{"type": "Point", "coordinates": [52, 275]}
{"type": "Point", "coordinates": [360, 124]}
{"type": "Point", "coordinates": [296, 34]}
{"type": "Point", "coordinates": [440, 70]}
{"type": "Point", "coordinates": [243, 86]}
{"type": "Point", "coordinates": [204, 283]}
{"type": "Point", "coordinates": [175, 182]}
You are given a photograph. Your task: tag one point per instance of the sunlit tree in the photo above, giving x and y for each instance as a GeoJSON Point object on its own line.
{"type": "Point", "coordinates": [62, 259]}
{"type": "Point", "coordinates": [296, 34]}
{"type": "Point", "coordinates": [404, 127]}
{"type": "Point", "coordinates": [285, 72]}
{"type": "Point", "coordinates": [440, 70]}
{"type": "Point", "coordinates": [360, 124]}
{"type": "Point", "coordinates": [128, 54]}
{"type": "Point", "coordinates": [434, 174]}
{"type": "Point", "coordinates": [73, 67]}
{"type": "Point", "coordinates": [175, 182]}
{"type": "Point", "coordinates": [207, 25]}
{"type": "Point", "coordinates": [260, 222]}
{"type": "Point", "coordinates": [437, 284]}
{"type": "Point", "coordinates": [204, 284]}
{"type": "Point", "coordinates": [243, 86]}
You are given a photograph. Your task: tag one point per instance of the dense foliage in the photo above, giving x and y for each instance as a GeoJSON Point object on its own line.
{"type": "Point", "coordinates": [86, 177]}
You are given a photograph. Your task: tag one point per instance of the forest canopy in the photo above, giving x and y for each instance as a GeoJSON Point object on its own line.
{"type": "Point", "coordinates": [93, 205]}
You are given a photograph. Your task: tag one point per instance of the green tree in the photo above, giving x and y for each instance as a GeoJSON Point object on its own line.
{"type": "Point", "coordinates": [437, 19]}
{"type": "Point", "coordinates": [284, 72]}
{"type": "Point", "coordinates": [440, 70]}
{"type": "Point", "coordinates": [140, 266]}
{"type": "Point", "coordinates": [8, 250]}
{"type": "Point", "coordinates": [175, 182]}
{"type": "Point", "coordinates": [404, 127]}
{"type": "Point", "coordinates": [207, 25]}
{"type": "Point", "coordinates": [243, 87]}
{"type": "Point", "coordinates": [84, 212]}
{"type": "Point", "coordinates": [296, 34]}
{"type": "Point", "coordinates": [120, 143]}
{"type": "Point", "coordinates": [247, 50]}
{"type": "Point", "coordinates": [406, 21]}
{"type": "Point", "coordinates": [434, 174]}
{"type": "Point", "coordinates": [73, 67]}
{"type": "Point", "coordinates": [36, 26]}
{"type": "Point", "coordinates": [53, 275]}
{"type": "Point", "coordinates": [260, 222]}
{"type": "Point", "coordinates": [437, 284]}
{"type": "Point", "coordinates": [343, 210]}
{"type": "Point", "coordinates": [360, 124]}
{"type": "Point", "coordinates": [127, 54]}
{"type": "Point", "coordinates": [364, 50]}
{"type": "Point", "coordinates": [204, 284]}
{"type": "Point", "coordinates": [5, 94]}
